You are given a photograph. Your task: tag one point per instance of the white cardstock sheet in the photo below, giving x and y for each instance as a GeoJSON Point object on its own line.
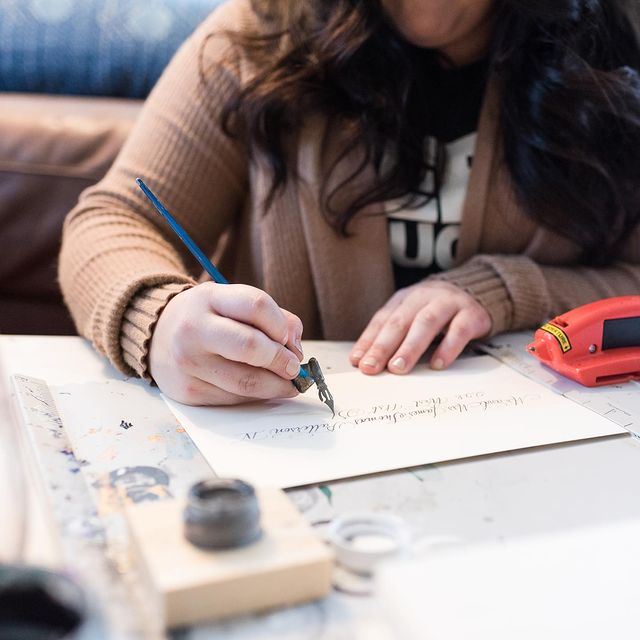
{"type": "Point", "coordinates": [478, 406]}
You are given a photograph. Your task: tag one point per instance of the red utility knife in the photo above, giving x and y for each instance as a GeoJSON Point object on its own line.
{"type": "Point", "coordinates": [596, 344]}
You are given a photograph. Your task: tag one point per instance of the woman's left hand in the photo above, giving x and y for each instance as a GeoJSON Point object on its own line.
{"type": "Point", "coordinates": [402, 330]}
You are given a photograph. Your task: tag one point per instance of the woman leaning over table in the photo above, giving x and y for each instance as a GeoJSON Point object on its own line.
{"type": "Point", "coordinates": [385, 170]}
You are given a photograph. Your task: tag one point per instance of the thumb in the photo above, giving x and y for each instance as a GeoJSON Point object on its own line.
{"type": "Point", "coordinates": [294, 333]}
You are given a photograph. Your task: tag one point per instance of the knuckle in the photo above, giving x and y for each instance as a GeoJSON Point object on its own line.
{"type": "Point", "coordinates": [379, 316]}
{"type": "Point", "coordinates": [260, 304]}
{"type": "Point", "coordinates": [377, 322]}
{"type": "Point", "coordinates": [378, 351]}
{"type": "Point", "coordinates": [461, 332]}
{"type": "Point", "coordinates": [373, 329]}
{"type": "Point", "coordinates": [205, 289]}
{"type": "Point", "coordinates": [247, 384]}
{"type": "Point", "coordinates": [481, 318]}
{"type": "Point", "coordinates": [248, 343]}
{"type": "Point", "coordinates": [189, 392]}
{"type": "Point", "coordinates": [397, 323]}
{"type": "Point", "coordinates": [185, 329]}
{"type": "Point", "coordinates": [279, 361]}
{"type": "Point", "coordinates": [426, 318]}
{"type": "Point", "coordinates": [411, 350]}
{"type": "Point", "coordinates": [181, 356]}
{"type": "Point", "coordinates": [296, 324]}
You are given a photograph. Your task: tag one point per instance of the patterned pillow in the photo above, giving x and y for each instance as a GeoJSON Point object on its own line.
{"type": "Point", "coordinates": [92, 47]}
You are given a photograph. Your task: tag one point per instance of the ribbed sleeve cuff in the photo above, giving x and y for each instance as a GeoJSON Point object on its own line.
{"type": "Point", "coordinates": [130, 302]}
{"type": "Point", "coordinates": [511, 288]}
{"type": "Point", "coordinates": [139, 321]}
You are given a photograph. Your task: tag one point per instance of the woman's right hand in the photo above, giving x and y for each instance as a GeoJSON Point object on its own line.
{"type": "Point", "coordinates": [225, 344]}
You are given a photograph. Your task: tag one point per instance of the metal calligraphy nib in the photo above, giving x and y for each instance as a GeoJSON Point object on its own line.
{"type": "Point", "coordinates": [310, 373]}
{"type": "Point", "coordinates": [323, 391]}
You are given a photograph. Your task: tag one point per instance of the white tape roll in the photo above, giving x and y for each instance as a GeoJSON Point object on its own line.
{"type": "Point", "coordinates": [362, 540]}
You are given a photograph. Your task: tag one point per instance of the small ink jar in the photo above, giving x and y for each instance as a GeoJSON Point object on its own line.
{"type": "Point", "coordinates": [222, 513]}
{"type": "Point", "coordinates": [43, 605]}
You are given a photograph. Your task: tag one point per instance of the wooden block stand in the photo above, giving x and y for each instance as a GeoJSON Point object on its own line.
{"type": "Point", "coordinates": [288, 565]}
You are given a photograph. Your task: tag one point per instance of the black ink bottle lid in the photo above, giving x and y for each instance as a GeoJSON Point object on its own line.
{"type": "Point", "coordinates": [222, 513]}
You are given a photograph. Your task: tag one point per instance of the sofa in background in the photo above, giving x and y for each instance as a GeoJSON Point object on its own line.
{"type": "Point", "coordinates": [51, 148]}
{"type": "Point", "coordinates": [108, 53]}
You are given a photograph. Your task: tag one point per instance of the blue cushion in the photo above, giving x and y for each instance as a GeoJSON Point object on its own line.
{"type": "Point", "coordinates": [92, 47]}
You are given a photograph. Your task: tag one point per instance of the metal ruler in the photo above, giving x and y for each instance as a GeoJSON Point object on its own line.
{"type": "Point", "coordinates": [87, 504]}
{"type": "Point", "coordinates": [618, 403]}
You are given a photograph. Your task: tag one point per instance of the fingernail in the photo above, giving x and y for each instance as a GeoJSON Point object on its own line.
{"type": "Point", "coordinates": [370, 361]}
{"type": "Point", "coordinates": [293, 367]}
{"type": "Point", "coordinates": [438, 364]}
{"type": "Point", "coordinates": [357, 355]}
{"type": "Point", "coordinates": [399, 364]}
{"type": "Point", "coordinates": [297, 343]}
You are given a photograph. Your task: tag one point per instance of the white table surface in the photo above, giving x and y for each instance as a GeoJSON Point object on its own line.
{"type": "Point", "coordinates": [503, 497]}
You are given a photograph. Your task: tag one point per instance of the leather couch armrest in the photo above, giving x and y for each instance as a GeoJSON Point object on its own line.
{"type": "Point", "coordinates": [51, 149]}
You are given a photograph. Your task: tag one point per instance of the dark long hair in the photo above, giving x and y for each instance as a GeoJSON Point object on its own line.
{"type": "Point", "coordinates": [569, 106]}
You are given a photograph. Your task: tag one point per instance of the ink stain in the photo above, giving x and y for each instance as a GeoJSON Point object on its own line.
{"type": "Point", "coordinates": [327, 492]}
{"type": "Point", "coordinates": [141, 483]}
{"type": "Point", "coordinates": [72, 457]}
{"type": "Point", "coordinates": [126, 425]}
{"type": "Point", "coordinates": [415, 474]}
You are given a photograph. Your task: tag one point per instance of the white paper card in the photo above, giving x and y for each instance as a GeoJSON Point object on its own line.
{"type": "Point", "coordinates": [384, 422]}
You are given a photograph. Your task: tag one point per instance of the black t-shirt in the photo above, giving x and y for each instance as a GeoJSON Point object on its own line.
{"type": "Point", "coordinates": [424, 240]}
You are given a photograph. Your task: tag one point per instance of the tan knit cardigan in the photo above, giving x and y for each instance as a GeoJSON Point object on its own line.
{"type": "Point", "coordinates": [120, 264]}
